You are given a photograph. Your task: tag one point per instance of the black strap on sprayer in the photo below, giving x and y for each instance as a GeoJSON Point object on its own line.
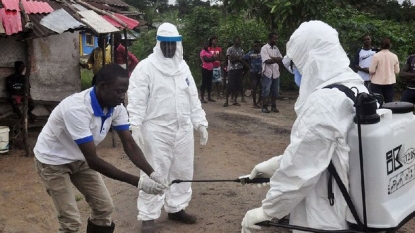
{"type": "Point", "coordinates": [333, 172]}
{"type": "Point", "coordinates": [335, 175]}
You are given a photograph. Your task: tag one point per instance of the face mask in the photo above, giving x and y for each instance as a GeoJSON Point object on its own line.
{"type": "Point", "coordinates": [297, 77]}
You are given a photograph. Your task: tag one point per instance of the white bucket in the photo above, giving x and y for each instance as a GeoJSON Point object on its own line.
{"type": "Point", "coordinates": [4, 139]}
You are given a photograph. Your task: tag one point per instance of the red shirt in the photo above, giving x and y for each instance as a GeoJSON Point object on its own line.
{"type": "Point", "coordinates": [216, 51]}
{"type": "Point", "coordinates": [119, 58]}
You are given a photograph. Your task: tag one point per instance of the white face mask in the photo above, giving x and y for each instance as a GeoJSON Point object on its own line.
{"type": "Point", "coordinates": [297, 77]}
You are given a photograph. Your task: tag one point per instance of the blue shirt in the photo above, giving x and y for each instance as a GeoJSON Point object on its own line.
{"type": "Point", "coordinates": [254, 59]}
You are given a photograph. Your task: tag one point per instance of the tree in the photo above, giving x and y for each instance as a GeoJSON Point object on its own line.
{"type": "Point", "coordinates": [254, 19]}
{"type": "Point", "coordinates": [186, 6]}
{"type": "Point", "coordinates": [290, 13]}
{"type": "Point", "coordinates": [150, 8]}
{"type": "Point", "coordinates": [260, 10]}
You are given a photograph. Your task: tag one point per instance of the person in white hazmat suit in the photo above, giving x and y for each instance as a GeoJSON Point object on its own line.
{"type": "Point", "coordinates": [164, 108]}
{"type": "Point", "coordinates": [299, 177]}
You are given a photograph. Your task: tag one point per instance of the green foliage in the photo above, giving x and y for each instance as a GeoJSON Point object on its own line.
{"type": "Point", "coordinates": [386, 9]}
{"type": "Point", "coordinates": [352, 25]}
{"type": "Point", "coordinates": [291, 13]}
{"type": "Point", "coordinates": [260, 10]}
{"type": "Point", "coordinates": [86, 78]}
{"type": "Point", "coordinates": [186, 7]}
{"type": "Point", "coordinates": [199, 26]}
{"type": "Point", "coordinates": [248, 30]}
{"type": "Point", "coordinates": [145, 44]}
{"type": "Point", "coordinates": [253, 20]}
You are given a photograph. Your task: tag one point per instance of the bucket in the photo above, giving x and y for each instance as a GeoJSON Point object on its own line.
{"type": "Point", "coordinates": [4, 139]}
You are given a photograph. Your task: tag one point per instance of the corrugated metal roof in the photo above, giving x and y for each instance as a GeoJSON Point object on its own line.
{"type": "Point", "coordinates": [60, 21]}
{"type": "Point", "coordinates": [96, 22]}
{"type": "Point", "coordinates": [117, 3]}
{"type": "Point", "coordinates": [39, 30]}
{"type": "Point", "coordinates": [79, 7]}
{"type": "Point", "coordinates": [12, 22]}
{"type": "Point", "coordinates": [104, 7]}
{"type": "Point", "coordinates": [11, 5]}
{"type": "Point", "coordinates": [32, 7]}
{"type": "Point", "coordinates": [131, 23]}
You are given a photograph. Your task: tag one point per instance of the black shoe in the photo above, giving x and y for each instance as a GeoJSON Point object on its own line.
{"type": "Point", "coordinates": [211, 100]}
{"type": "Point", "coordinates": [147, 226]}
{"type": "Point", "coordinates": [203, 101]}
{"type": "Point", "coordinates": [265, 109]}
{"type": "Point", "coordinates": [183, 217]}
{"type": "Point", "coordinates": [225, 105]}
{"type": "Point", "coordinates": [92, 228]}
{"type": "Point", "coordinates": [274, 109]}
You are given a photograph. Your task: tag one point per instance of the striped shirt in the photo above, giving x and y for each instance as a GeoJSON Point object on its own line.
{"type": "Point", "coordinates": [270, 70]}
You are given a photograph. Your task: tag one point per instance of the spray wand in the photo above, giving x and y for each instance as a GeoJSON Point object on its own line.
{"type": "Point", "coordinates": [242, 180]}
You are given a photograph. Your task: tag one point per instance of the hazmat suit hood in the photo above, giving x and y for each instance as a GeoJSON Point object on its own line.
{"type": "Point", "coordinates": [316, 51]}
{"type": "Point", "coordinates": [169, 66]}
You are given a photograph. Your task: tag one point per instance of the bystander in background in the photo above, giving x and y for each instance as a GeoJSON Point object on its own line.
{"type": "Point", "coordinates": [383, 68]}
{"type": "Point", "coordinates": [254, 60]}
{"type": "Point", "coordinates": [363, 58]}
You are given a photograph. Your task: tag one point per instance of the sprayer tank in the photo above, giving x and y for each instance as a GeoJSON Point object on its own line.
{"type": "Point", "coordinates": [389, 168]}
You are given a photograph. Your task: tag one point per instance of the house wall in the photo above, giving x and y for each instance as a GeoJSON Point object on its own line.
{"type": "Point", "coordinates": [87, 49]}
{"type": "Point", "coordinates": [55, 70]}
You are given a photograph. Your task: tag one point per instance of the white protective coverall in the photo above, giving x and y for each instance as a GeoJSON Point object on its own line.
{"type": "Point", "coordinates": [164, 104]}
{"type": "Point", "coordinates": [324, 116]}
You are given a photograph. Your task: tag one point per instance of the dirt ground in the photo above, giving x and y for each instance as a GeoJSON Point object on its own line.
{"type": "Point", "coordinates": [239, 138]}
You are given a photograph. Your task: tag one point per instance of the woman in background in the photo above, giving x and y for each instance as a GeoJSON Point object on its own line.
{"type": "Point", "coordinates": [383, 68]}
{"type": "Point", "coordinates": [207, 72]}
{"type": "Point", "coordinates": [216, 51]}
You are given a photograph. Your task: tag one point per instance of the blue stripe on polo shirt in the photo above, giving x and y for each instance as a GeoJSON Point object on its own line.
{"type": "Point", "coordinates": [97, 108]}
{"type": "Point", "coordinates": [84, 140]}
{"type": "Point", "coordinates": [122, 127]}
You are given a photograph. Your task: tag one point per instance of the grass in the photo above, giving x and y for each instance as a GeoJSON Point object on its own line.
{"type": "Point", "coordinates": [86, 78]}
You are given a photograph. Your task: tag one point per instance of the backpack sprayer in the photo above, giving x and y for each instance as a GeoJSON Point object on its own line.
{"type": "Point", "coordinates": [387, 168]}
{"type": "Point", "coordinates": [381, 174]}
{"type": "Point", "coordinates": [382, 166]}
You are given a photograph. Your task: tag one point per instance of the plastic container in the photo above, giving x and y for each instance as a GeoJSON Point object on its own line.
{"type": "Point", "coordinates": [400, 109]}
{"type": "Point", "coordinates": [4, 139]}
{"type": "Point", "coordinates": [389, 168]}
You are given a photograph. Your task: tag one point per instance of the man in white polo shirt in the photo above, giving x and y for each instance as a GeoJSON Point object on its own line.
{"type": "Point", "coordinates": [66, 152]}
